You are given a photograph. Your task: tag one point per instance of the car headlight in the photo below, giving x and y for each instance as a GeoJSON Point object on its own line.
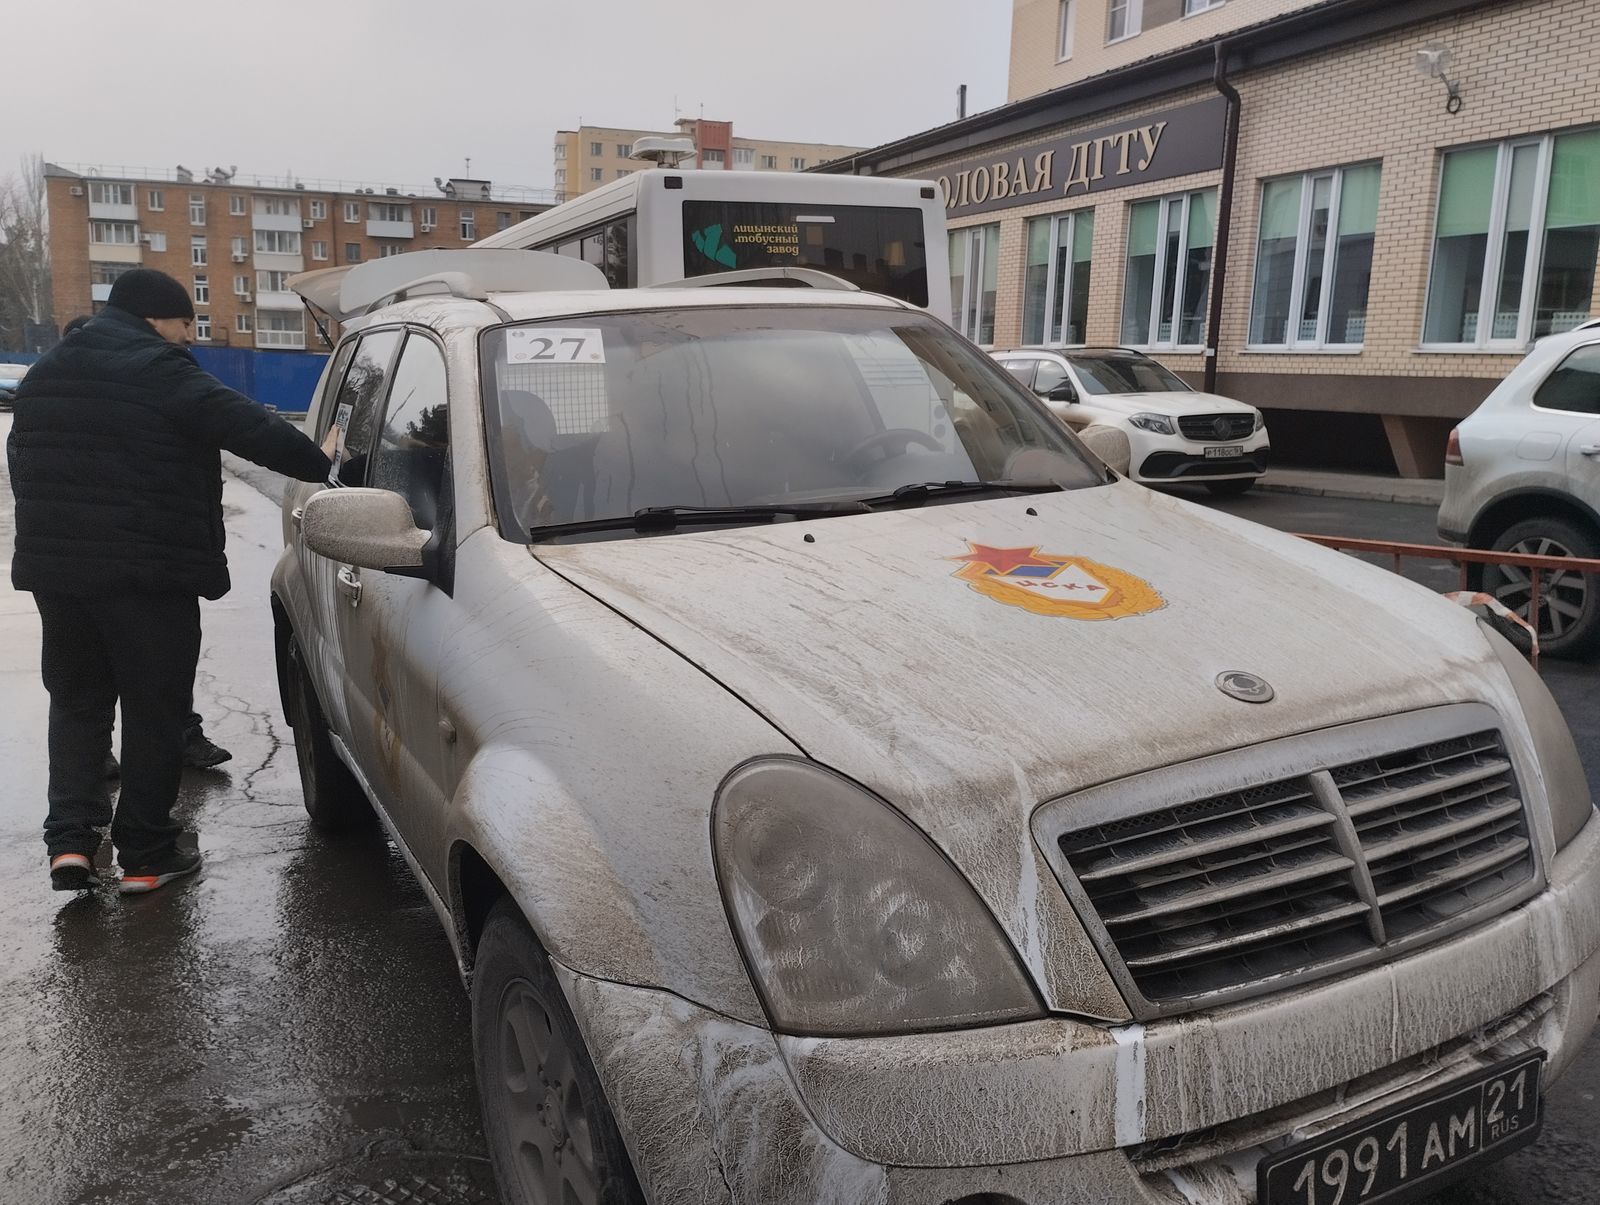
{"type": "Point", "coordinates": [851, 921]}
{"type": "Point", "coordinates": [1261, 421]}
{"type": "Point", "coordinates": [1565, 784]}
{"type": "Point", "coordinates": [1160, 424]}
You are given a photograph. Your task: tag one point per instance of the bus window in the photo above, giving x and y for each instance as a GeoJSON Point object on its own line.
{"type": "Point", "coordinates": [876, 248]}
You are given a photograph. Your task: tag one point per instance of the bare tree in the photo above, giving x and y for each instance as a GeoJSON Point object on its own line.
{"type": "Point", "coordinates": [24, 257]}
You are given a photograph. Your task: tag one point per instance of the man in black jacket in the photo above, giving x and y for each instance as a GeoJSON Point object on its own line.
{"type": "Point", "coordinates": [114, 459]}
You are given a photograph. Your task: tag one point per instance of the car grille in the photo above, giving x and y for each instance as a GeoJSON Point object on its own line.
{"type": "Point", "coordinates": [1315, 870]}
{"type": "Point", "coordinates": [1210, 428]}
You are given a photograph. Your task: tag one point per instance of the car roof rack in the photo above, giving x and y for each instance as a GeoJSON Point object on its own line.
{"type": "Point", "coordinates": [808, 277]}
{"type": "Point", "coordinates": [473, 273]}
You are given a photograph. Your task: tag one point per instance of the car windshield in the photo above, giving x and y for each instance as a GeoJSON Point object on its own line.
{"type": "Point", "coordinates": [598, 417]}
{"type": "Point", "coordinates": [1124, 374]}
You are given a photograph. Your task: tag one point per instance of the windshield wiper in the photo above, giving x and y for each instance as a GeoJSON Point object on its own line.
{"type": "Point", "coordinates": [921, 491]}
{"type": "Point", "coordinates": [670, 518]}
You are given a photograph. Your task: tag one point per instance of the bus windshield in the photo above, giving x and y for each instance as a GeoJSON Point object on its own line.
{"type": "Point", "coordinates": [876, 248]}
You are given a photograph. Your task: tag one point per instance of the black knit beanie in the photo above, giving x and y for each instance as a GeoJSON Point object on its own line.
{"type": "Point", "coordinates": [150, 294]}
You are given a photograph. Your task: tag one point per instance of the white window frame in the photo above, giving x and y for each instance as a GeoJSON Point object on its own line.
{"type": "Point", "coordinates": [624, 151]}
{"type": "Point", "coordinates": [1193, 8]}
{"type": "Point", "coordinates": [797, 163]}
{"type": "Point", "coordinates": [561, 150]}
{"type": "Point", "coordinates": [1495, 261]}
{"type": "Point", "coordinates": [597, 150]}
{"type": "Point", "coordinates": [1063, 228]}
{"type": "Point", "coordinates": [352, 259]}
{"type": "Point", "coordinates": [202, 328]}
{"type": "Point", "coordinates": [197, 206]}
{"type": "Point", "coordinates": [319, 249]}
{"type": "Point", "coordinates": [1153, 342]}
{"type": "Point", "coordinates": [202, 289]}
{"type": "Point", "coordinates": [385, 250]}
{"type": "Point", "coordinates": [319, 210]}
{"type": "Point", "coordinates": [972, 282]}
{"type": "Point", "coordinates": [242, 324]}
{"type": "Point", "coordinates": [155, 201]}
{"type": "Point", "coordinates": [290, 240]}
{"type": "Point", "coordinates": [1132, 20]}
{"type": "Point", "coordinates": [429, 218]}
{"type": "Point", "coordinates": [1302, 262]}
{"type": "Point", "coordinates": [110, 225]}
{"type": "Point", "coordinates": [108, 192]}
{"type": "Point", "coordinates": [158, 240]}
{"type": "Point", "coordinates": [241, 286]}
{"type": "Point", "coordinates": [272, 280]}
{"type": "Point", "coordinates": [769, 163]}
{"type": "Point", "coordinates": [352, 211]}
{"type": "Point", "coordinates": [239, 247]}
{"type": "Point", "coordinates": [236, 205]}
{"type": "Point", "coordinates": [1064, 31]}
{"type": "Point", "coordinates": [596, 174]}
{"type": "Point", "coordinates": [469, 225]}
{"type": "Point", "coordinates": [197, 251]}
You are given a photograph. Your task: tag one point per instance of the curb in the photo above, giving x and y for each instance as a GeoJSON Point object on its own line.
{"type": "Point", "coordinates": [1353, 493]}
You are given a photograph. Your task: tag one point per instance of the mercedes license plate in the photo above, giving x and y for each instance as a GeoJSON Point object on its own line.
{"type": "Point", "coordinates": [1225, 452]}
{"type": "Point", "coordinates": [1393, 1157]}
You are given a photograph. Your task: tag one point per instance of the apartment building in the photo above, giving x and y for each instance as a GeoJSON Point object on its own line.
{"type": "Point", "coordinates": [235, 241]}
{"type": "Point", "coordinates": [590, 156]}
{"type": "Point", "coordinates": [1355, 214]}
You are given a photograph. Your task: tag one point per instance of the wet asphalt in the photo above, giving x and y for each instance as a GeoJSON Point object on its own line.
{"type": "Point", "coordinates": [289, 1029]}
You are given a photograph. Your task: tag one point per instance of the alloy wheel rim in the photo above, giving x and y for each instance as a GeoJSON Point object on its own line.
{"type": "Point", "coordinates": [1563, 595]}
{"type": "Point", "coordinates": [551, 1143]}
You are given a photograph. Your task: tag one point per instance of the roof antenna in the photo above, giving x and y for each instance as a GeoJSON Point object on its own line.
{"type": "Point", "coordinates": [469, 167]}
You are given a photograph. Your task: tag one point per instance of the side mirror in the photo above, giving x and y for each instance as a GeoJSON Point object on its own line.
{"type": "Point", "coordinates": [370, 528]}
{"type": "Point", "coordinates": [1110, 444]}
{"type": "Point", "coordinates": [1063, 392]}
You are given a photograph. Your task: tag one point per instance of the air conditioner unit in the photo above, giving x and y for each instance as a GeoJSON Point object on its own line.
{"type": "Point", "coordinates": [239, 257]}
{"type": "Point", "coordinates": [246, 298]}
{"type": "Point", "coordinates": [144, 238]}
{"type": "Point", "coordinates": [76, 190]}
{"type": "Point", "coordinates": [307, 223]}
{"type": "Point", "coordinates": [427, 227]}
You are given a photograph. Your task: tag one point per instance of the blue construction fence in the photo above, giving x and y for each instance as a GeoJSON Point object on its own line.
{"type": "Point", "coordinates": [284, 380]}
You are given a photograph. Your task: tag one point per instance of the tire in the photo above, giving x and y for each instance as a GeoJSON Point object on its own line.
{"type": "Point", "coordinates": [1569, 603]}
{"type": "Point", "coordinates": [1231, 488]}
{"type": "Point", "coordinates": [334, 799]}
{"type": "Point", "coordinates": [553, 1139]}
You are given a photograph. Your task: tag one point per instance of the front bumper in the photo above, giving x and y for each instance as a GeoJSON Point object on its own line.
{"type": "Point", "coordinates": [1163, 459]}
{"type": "Point", "coordinates": [1173, 1113]}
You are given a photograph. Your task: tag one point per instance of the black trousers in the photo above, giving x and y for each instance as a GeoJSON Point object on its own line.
{"type": "Point", "coordinates": [141, 651]}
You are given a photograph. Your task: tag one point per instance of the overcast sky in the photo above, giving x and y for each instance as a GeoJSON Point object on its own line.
{"type": "Point", "coordinates": [404, 90]}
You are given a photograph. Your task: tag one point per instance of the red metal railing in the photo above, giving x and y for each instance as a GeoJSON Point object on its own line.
{"type": "Point", "coordinates": [1462, 557]}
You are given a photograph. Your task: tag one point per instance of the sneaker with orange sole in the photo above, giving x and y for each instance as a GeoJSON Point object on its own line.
{"type": "Point", "coordinates": [73, 872]}
{"type": "Point", "coordinates": [136, 880]}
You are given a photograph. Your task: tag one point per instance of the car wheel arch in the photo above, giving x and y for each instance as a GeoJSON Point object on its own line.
{"type": "Point", "coordinates": [1512, 508]}
{"type": "Point", "coordinates": [282, 630]}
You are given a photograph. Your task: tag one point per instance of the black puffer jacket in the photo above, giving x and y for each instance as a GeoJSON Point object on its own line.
{"type": "Point", "coordinates": [114, 458]}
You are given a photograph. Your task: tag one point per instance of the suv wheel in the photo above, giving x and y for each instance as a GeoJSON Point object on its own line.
{"type": "Point", "coordinates": [1569, 603]}
{"type": "Point", "coordinates": [334, 799]}
{"type": "Point", "coordinates": [552, 1137]}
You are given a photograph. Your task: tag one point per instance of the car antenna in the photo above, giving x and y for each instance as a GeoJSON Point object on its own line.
{"type": "Point", "coordinates": [322, 331]}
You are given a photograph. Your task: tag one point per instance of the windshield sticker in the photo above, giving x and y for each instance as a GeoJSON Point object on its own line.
{"type": "Point", "coordinates": [341, 420]}
{"type": "Point", "coordinates": [1048, 583]}
{"type": "Point", "coordinates": [555, 345]}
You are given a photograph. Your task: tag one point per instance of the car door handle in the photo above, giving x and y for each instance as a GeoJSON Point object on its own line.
{"type": "Point", "coordinates": [350, 584]}
{"type": "Point", "coordinates": [1590, 449]}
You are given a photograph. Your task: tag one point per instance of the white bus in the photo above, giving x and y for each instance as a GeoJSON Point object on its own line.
{"type": "Point", "coordinates": [660, 225]}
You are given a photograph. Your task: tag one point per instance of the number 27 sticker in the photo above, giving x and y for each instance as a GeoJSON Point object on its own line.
{"type": "Point", "coordinates": [555, 345]}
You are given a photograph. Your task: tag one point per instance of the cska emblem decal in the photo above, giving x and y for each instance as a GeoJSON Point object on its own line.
{"type": "Point", "coordinates": [1048, 584]}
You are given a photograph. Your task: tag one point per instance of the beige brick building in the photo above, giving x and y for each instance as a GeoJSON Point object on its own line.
{"type": "Point", "coordinates": [1396, 238]}
{"type": "Point", "coordinates": [590, 156]}
{"type": "Point", "coordinates": [234, 241]}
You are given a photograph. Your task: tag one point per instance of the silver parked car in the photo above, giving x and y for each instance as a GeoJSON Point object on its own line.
{"type": "Point", "coordinates": [1522, 474]}
{"type": "Point", "coordinates": [838, 786]}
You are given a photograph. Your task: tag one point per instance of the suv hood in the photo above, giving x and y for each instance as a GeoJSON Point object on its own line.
{"type": "Point", "coordinates": [856, 638]}
{"type": "Point", "coordinates": [1174, 403]}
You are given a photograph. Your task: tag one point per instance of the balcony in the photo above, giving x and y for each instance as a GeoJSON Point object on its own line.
{"type": "Point", "coordinates": [278, 261]}
{"type": "Point", "coordinates": [379, 228]}
{"type": "Point", "coordinates": [116, 253]}
{"type": "Point", "coordinates": [269, 300]}
{"type": "Point", "coordinates": [285, 339]}
{"type": "Point", "coordinates": [275, 221]}
{"type": "Point", "coordinates": [105, 212]}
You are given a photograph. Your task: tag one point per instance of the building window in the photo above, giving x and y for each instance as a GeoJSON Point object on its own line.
{"type": "Point", "coordinates": [430, 217]}
{"type": "Point", "coordinates": [241, 323]}
{"type": "Point", "coordinates": [125, 233]}
{"type": "Point", "coordinates": [202, 328]}
{"type": "Point", "coordinates": [102, 193]}
{"type": "Point", "coordinates": [1124, 19]}
{"type": "Point", "coordinates": [744, 158]}
{"type": "Point", "coordinates": [1169, 270]}
{"type": "Point", "coordinates": [974, 266]}
{"type": "Point", "coordinates": [352, 211]}
{"type": "Point", "coordinates": [1515, 241]}
{"type": "Point", "coordinates": [319, 210]}
{"type": "Point", "coordinates": [156, 240]}
{"type": "Point", "coordinates": [1191, 7]}
{"type": "Point", "coordinates": [319, 249]}
{"type": "Point", "coordinates": [241, 286]}
{"type": "Point", "coordinates": [352, 253]}
{"type": "Point", "coordinates": [624, 151]}
{"type": "Point", "coordinates": [106, 274]}
{"type": "Point", "coordinates": [469, 225]}
{"type": "Point", "coordinates": [623, 171]}
{"type": "Point", "coordinates": [197, 251]}
{"type": "Point", "coordinates": [281, 328]}
{"type": "Point", "coordinates": [597, 149]}
{"type": "Point", "coordinates": [561, 151]}
{"type": "Point", "coordinates": [277, 207]}
{"type": "Point", "coordinates": [1314, 259]}
{"type": "Point", "coordinates": [272, 281]}
{"type": "Point", "coordinates": [561, 176]}
{"type": "Point", "coordinates": [388, 211]}
{"type": "Point", "coordinates": [502, 221]}
{"type": "Point", "coordinates": [238, 245]}
{"type": "Point", "coordinates": [1064, 32]}
{"type": "Point", "coordinates": [1055, 289]}
{"type": "Point", "coordinates": [797, 163]}
{"type": "Point", "coordinates": [714, 159]}
{"type": "Point", "coordinates": [385, 250]}
{"type": "Point", "coordinates": [197, 209]}
{"type": "Point", "coordinates": [597, 174]}
{"type": "Point", "coordinates": [154, 200]}
{"type": "Point", "coordinates": [278, 242]}
{"type": "Point", "coordinates": [236, 205]}
{"type": "Point", "coordinates": [769, 162]}
{"type": "Point", "coordinates": [202, 290]}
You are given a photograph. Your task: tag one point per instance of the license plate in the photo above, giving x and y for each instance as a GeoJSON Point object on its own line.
{"type": "Point", "coordinates": [1400, 1154]}
{"type": "Point", "coordinates": [1225, 452]}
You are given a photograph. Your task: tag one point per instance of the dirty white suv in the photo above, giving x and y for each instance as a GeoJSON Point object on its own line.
{"type": "Point", "coordinates": [1522, 474]}
{"type": "Point", "coordinates": [838, 786]}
